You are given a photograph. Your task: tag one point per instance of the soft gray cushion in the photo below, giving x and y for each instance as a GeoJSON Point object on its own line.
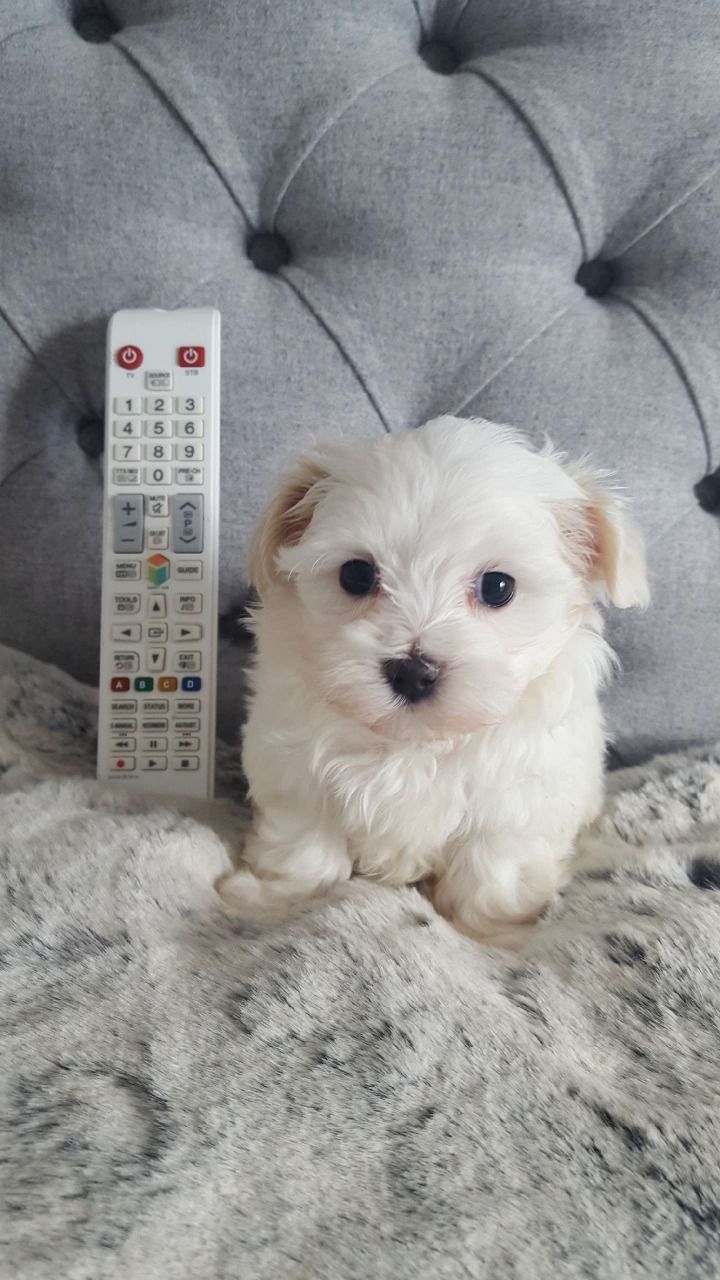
{"type": "Point", "coordinates": [438, 173]}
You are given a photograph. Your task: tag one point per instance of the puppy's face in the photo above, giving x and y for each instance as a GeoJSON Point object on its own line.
{"type": "Point", "coordinates": [427, 578]}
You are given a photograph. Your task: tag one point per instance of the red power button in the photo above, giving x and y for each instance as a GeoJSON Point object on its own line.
{"type": "Point", "coordinates": [129, 357]}
{"type": "Point", "coordinates": [191, 357]}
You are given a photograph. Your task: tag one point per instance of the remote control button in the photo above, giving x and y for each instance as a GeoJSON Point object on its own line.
{"type": "Point", "coordinates": [144, 684]}
{"type": "Point", "coordinates": [126, 604]}
{"type": "Point", "coordinates": [125, 662]}
{"type": "Point", "coordinates": [186, 744]}
{"type": "Point", "coordinates": [126, 570]}
{"type": "Point", "coordinates": [119, 684]}
{"type": "Point", "coordinates": [167, 684]}
{"type": "Point", "coordinates": [186, 762]}
{"type": "Point", "coordinates": [185, 706]}
{"type": "Point", "coordinates": [129, 357]}
{"type": "Point", "coordinates": [125, 631]}
{"type": "Point", "coordinates": [191, 357]}
{"type": "Point", "coordinates": [188, 603]}
{"type": "Point", "coordinates": [155, 405]}
{"type": "Point", "coordinates": [127, 405]}
{"type": "Point", "coordinates": [122, 744]}
{"type": "Point", "coordinates": [158, 475]}
{"type": "Point", "coordinates": [189, 569]}
{"type": "Point", "coordinates": [187, 522]}
{"type": "Point", "coordinates": [189, 405]}
{"type": "Point", "coordinates": [190, 475]}
{"type": "Point", "coordinates": [187, 726]}
{"type": "Point", "coordinates": [129, 452]}
{"type": "Point", "coordinates": [154, 744]}
{"type": "Point", "coordinates": [126, 705]}
{"type": "Point", "coordinates": [158, 570]}
{"type": "Point", "coordinates": [158, 763]}
{"type": "Point", "coordinates": [189, 451]}
{"type": "Point", "coordinates": [157, 606]}
{"type": "Point", "coordinates": [188, 661]}
{"type": "Point", "coordinates": [155, 706]}
{"type": "Point", "coordinates": [156, 659]}
{"type": "Point", "coordinates": [123, 726]}
{"type": "Point", "coordinates": [185, 631]}
{"type": "Point", "coordinates": [157, 504]}
{"type": "Point", "coordinates": [126, 427]}
{"type": "Point", "coordinates": [158, 380]}
{"type": "Point", "coordinates": [124, 764]}
{"type": "Point", "coordinates": [157, 539]}
{"type": "Point", "coordinates": [159, 452]}
{"type": "Point", "coordinates": [127, 475]}
{"type": "Point", "coordinates": [190, 684]}
{"type": "Point", "coordinates": [158, 427]}
{"type": "Point", "coordinates": [157, 632]}
{"type": "Point", "coordinates": [127, 514]}
{"type": "Point", "coordinates": [190, 427]}
{"type": "Point", "coordinates": [154, 726]}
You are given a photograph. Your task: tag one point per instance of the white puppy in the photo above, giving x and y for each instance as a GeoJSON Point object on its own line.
{"type": "Point", "coordinates": [429, 657]}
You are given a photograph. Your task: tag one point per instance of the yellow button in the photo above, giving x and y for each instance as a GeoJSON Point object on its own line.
{"type": "Point", "coordinates": [166, 684]}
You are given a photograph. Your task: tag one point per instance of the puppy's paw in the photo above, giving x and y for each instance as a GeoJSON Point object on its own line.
{"type": "Point", "coordinates": [247, 897]}
{"type": "Point", "coordinates": [504, 934]}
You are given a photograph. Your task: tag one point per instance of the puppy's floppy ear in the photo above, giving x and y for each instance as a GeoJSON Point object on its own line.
{"type": "Point", "coordinates": [284, 520]}
{"type": "Point", "coordinates": [603, 542]}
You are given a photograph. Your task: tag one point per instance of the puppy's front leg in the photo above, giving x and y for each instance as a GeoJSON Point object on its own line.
{"type": "Point", "coordinates": [290, 857]}
{"type": "Point", "coordinates": [495, 886]}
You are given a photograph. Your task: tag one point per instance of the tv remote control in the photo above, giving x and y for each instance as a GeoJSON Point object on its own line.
{"type": "Point", "coordinates": [158, 655]}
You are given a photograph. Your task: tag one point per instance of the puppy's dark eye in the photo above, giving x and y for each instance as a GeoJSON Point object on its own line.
{"type": "Point", "coordinates": [358, 577]}
{"type": "Point", "coordinates": [495, 589]}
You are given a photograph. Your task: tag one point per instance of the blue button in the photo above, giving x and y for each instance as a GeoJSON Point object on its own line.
{"type": "Point", "coordinates": [191, 684]}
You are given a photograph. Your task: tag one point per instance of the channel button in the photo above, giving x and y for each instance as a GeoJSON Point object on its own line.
{"type": "Point", "coordinates": [187, 523]}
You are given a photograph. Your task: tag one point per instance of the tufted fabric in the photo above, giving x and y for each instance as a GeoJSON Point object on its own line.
{"type": "Point", "coordinates": [507, 209]}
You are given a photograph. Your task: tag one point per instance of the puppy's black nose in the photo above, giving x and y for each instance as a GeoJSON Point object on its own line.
{"type": "Point", "coordinates": [412, 678]}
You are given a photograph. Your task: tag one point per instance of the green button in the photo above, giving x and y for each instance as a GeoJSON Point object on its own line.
{"type": "Point", "coordinates": [144, 684]}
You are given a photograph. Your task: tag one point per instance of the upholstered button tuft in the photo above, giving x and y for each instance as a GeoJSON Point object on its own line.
{"type": "Point", "coordinates": [439, 57]}
{"type": "Point", "coordinates": [707, 492]}
{"type": "Point", "coordinates": [597, 277]}
{"type": "Point", "coordinates": [91, 436]}
{"type": "Point", "coordinates": [95, 28]}
{"type": "Point", "coordinates": [268, 251]}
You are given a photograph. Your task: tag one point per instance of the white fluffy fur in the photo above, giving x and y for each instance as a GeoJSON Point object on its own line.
{"type": "Point", "coordinates": [480, 790]}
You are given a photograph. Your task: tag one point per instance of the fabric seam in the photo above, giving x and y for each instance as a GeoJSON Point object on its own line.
{"type": "Point", "coordinates": [541, 143]}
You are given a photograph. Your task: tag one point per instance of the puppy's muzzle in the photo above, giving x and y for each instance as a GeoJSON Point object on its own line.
{"type": "Point", "coordinates": [412, 678]}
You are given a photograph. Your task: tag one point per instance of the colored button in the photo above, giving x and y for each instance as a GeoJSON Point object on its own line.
{"type": "Point", "coordinates": [119, 684]}
{"type": "Point", "coordinates": [129, 357]}
{"type": "Point", "coordinates": [158, 569]}
{"type": "Point", "coordinates": [144, 684]}
{"type": "Point", "coordinates": [167, 684]}
{"type": "Point", "coordinates": [191, 684]}
{"type": "Point", "coordinates": [191, 357]}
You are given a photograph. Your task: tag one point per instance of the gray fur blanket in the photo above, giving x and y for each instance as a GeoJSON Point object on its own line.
{"type": "Point", "coordinates": [361, 1093]}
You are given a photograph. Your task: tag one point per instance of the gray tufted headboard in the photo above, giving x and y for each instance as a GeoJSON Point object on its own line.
{"type": "Point", "coordinates": [507, 208]}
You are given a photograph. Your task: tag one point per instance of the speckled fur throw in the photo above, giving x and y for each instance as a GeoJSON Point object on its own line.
{"type": "Point", "coordinates": [361, 1093]}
